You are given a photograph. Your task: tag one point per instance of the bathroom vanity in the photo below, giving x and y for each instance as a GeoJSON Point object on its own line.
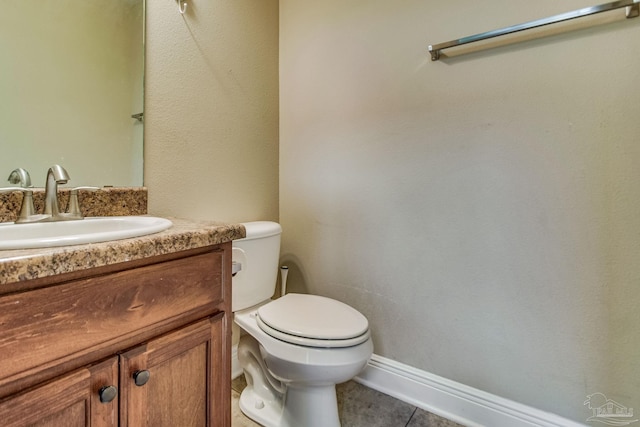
{"type": "Point", "coordinates": [135, 332]}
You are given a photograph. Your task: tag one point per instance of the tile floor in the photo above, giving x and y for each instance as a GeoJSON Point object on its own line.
{"type": "Point", "coordinates": [359, 406]}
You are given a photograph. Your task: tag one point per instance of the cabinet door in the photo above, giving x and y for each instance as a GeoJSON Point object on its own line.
{"type": "Point", "coordinates": [73, 400]}
{"type": "Point", "coordinates": [176, 379]}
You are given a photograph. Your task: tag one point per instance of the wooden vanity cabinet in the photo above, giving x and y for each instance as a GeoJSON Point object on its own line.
{"type": "Point", "coordinates": [137, 344]}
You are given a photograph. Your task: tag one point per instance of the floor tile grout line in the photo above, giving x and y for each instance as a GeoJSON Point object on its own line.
{"type": "Point", "coordinates": [412, 414]}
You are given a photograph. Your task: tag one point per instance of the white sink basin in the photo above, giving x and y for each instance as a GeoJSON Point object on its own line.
{"type": "Point", "coordinates": [88, 230]}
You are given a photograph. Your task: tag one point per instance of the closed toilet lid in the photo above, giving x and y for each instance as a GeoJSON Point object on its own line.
{"type": "Point", "coordinates": [314, 321]}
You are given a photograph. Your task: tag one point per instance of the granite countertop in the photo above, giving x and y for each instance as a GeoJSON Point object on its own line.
{"type": "Point", "coordinates": [27, 264]}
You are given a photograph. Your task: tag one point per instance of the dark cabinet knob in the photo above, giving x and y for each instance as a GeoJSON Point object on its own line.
{"type": "Point", "coordinates": [141, 377]}
{"type": "Point", "coordinates": [107, 393]}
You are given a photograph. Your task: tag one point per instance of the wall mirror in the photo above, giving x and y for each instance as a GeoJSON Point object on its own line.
{"type": "Point", "coordinates": [71, 78]}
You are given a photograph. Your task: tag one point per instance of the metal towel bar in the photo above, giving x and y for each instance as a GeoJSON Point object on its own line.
{"type": "Point", "coordinates": [633, 10]}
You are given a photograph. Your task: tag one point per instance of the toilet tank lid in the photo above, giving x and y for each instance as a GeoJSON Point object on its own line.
{"type": "Point", "coordinates": [258, 229]}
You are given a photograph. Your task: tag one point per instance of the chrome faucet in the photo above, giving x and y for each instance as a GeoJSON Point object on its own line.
{"type": "Point", "coordinates": [56, 175]}
{"type": "Point", "coordinates": [51, 212]}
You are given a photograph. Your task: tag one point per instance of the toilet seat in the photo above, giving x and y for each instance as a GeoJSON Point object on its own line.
{"type": "Point", "coordinates": [313, 321]}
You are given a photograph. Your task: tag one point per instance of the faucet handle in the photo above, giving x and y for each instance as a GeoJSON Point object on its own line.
{"type": "Point", "coordinates": [12, 189]}
{"type": "Point", "coordinates": [74, 205]}
{"type": "Point", "coordinates": [85, 188]}
{"type": "Point", "coordinates": [27, 211]}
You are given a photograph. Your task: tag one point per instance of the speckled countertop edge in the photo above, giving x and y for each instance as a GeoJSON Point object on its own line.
{"type": "Point", "coordinates": [28, 264]}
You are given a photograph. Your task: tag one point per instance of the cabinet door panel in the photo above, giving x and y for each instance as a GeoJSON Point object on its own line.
{"type": "Point", "coordinates": [182, 368]}
{"type": "Point", "coordinates": [68, 401]}
{"type": "Point", "coordinates": [104, 374]}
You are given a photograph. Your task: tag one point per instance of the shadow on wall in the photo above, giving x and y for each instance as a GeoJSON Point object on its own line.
{"type": "Point", "coordinates": [296, 278]}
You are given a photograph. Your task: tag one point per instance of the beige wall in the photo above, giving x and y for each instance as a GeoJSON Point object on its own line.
{"type": "Point", "coordinates": [211, 110]}
{"type": "Point", "coordinates": [482, 212]}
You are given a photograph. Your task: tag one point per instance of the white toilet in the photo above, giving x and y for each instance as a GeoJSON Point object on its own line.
{"type": "Point", "coordinates": [296, 348]}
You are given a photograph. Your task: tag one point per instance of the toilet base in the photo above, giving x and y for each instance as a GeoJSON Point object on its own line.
{"type": "Point", "coordinates": [303, 406]}
{"type": "Point", "coordinates": [265, 412]}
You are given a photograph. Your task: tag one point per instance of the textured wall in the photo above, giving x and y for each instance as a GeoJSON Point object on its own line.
{"type": "Point", "coordinates": [482, 212]}
{"type": "Point", "coordinates": [211, 110]}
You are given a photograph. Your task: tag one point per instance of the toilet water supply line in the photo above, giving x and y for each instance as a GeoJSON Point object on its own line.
{"type": "Point", "coordinates": [284, 271]}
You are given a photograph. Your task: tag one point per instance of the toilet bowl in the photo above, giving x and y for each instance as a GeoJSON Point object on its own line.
{"type": "Point", "coordinates": [295, 349]}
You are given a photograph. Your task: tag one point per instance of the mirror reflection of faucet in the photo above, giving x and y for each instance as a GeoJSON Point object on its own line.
{"type": "Point", "coordinates": [55, 175]}
{"type": "Point", "coordinates": [20, 177]}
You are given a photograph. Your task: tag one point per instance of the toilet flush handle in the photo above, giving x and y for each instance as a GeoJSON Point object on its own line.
{"type": "Point", "coordinates": [236, 267]}
{"type": "Point", "coordinates": [284, 272]}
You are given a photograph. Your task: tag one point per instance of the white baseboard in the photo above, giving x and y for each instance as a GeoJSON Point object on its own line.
{"type": "Point", "coordinates": [455, 401]}
{"type": "Point", "coordinates": [460, 403]}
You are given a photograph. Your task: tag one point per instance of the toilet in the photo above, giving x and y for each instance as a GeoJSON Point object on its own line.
{"type": "Point", "coordinates": [295, 349]}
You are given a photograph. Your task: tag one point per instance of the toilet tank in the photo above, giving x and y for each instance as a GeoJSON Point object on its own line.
{"type": "Point", "coordinates": [258, 254]}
